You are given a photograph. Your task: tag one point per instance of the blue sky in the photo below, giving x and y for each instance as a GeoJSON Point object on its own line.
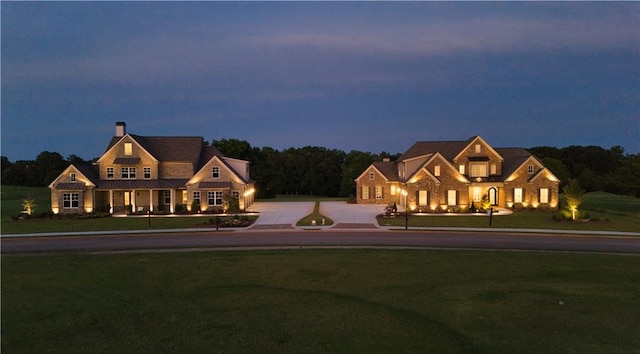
{"type": "Point", "coordinates": [370, 76]}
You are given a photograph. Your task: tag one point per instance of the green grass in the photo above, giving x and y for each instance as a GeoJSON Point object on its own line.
{"type": "Point", "coordinates": [322, 301]}
{"type": "Point", "coordinates": [11, 206]}
{"type": "Point", "coordinates": [613, 212]}
{"type": "Point", "coordinates": [315, 215]}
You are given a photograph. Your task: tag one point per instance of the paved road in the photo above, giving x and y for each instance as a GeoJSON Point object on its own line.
{"type": "Point", "coordinates": [324, 238]}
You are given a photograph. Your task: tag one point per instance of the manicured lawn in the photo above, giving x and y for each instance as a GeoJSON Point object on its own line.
{"type": "Point", "coordinates": [11, 206]}
{"type": "Point", "coordinates": [306, 221]}
{"type": "Point", "coordinates": [322, 301]}
{"type": "Point", "coordinates": [609, 212]}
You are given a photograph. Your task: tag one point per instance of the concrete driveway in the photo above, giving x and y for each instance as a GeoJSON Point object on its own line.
{"type": "Point", "coordinates": [285, 215]}
{"type": "Point", "coordinates": [281, 213]}
{"type": "Point", "coordinates": [343, 213]}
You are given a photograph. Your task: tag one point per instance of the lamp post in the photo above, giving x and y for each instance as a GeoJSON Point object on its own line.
{"type": "Point", "coordinates": [406, 210]}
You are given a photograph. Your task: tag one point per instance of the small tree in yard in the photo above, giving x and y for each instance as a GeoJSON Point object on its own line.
{"type": "Point", "coordinates": [573, 194]}
{"type": "Point", "coordinates": [29, 205]}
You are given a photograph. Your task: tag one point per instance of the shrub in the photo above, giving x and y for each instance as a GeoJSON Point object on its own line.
{"type": "Point", "coordinates": [195, 206]}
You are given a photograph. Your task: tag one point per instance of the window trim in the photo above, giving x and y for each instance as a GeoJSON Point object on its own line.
{"type": "Point", "coordinates": [146, 172]}
{"type": "Point", "coordinates": [530, 169]}
{"type": "Point", "coordinates": [436, 170]}
{"type": "Point", "coordinates": [129, 174]}
{"type": "Point", "coordinates": [379, 192]}
{"type": "Point", "coordinates": [452, 194]}
{"type": "Point", "coordinates": [365, 192]}
{"type": "Point", "coordinates": [72, 176]}
{"type": "Point", "coordinates": [110, 173]}
{"type": "Point", "coordinates": [372, 176]}
{"type": "Point", "coordinates": [423, 197]}
{"type": "Point", "coordinates": [518, 195]}
{"type": "Point", "coordinates": [128, 149]}
{"type": "Point", "coordinates": [69, 199]}
{"type": "Point", "coordinates": [545, 194]}
{"type": "Point", "coordinates": [215, 172]}
{"type": "Point", "coordinates": [461, 169]}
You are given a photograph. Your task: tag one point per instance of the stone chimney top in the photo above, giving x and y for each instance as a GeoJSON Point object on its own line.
{"type": "Point", "coordinates": [386, 159]}
{"type": "Point", "coordinates": [121, 129]}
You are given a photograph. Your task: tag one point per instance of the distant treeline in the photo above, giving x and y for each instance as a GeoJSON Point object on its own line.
{"type": "Point", "coordinates": [324, 172]}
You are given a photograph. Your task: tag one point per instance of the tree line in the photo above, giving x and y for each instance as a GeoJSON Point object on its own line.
{"type": "Point", "coordinates": [313, 170]}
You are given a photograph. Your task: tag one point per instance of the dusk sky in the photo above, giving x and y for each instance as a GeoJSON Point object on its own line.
{"type": "Point", "coordinates": [369, 76]}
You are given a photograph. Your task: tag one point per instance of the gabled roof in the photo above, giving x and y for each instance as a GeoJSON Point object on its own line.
{"type": "Point", "coordinates": [168, 148]}
{"type": "Point", "coordinates": [388, 169]}
{"type": "Point", "coordinates": [513, 159]}
{"type": "Point", "coordinates": [448, 149]}
{"type": "Point", "coordinates": [88, 171]}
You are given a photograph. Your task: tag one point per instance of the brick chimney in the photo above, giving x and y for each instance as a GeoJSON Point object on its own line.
{"type": "Point", "coordinates": [121, 129]}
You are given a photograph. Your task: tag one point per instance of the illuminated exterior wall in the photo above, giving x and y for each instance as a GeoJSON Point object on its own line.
{"type": "Point", "coordinates": [379, 180]}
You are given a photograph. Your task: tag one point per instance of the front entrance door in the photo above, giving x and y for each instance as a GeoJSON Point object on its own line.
{"type": "Point", "coordinates": [127, 200]}
{"type": "Point", "coordinates": [493, 196]}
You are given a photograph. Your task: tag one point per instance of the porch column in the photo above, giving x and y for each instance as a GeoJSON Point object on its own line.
{"type": "Point", "coordinates": [172, 193]}
{"type": "Point", "coordinates": [133, 202]}
{"type": "Point", "coordinates": [151, 200]}
{"type": "Point", "coordinates": [110, 201]}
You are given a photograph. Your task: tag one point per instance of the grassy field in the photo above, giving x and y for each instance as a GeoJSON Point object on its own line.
{"type": "Point", "coordinates": [322, 301]}
{"type": "Point", "coordinates": [609, 212]}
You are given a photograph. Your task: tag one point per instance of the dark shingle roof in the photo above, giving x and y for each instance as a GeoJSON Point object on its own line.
{"type": "Point", "coordinates": [448, 149]}
{"type": "Point", "coordinates": [170, 148]}
{"type": "Point", "coordinates": [388, 169]}
{"type": "Point", "coordinates": [513, 158]}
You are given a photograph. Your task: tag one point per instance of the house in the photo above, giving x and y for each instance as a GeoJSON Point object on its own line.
{"type": "Point", "coordinates": [141, 174]}
{"type": "Point", "coordinates": [456, 175]}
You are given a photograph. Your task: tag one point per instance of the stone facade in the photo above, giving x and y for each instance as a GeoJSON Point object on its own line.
{"type": "Point", "coordinates": [139, 174]}
{"type": "Point", "coordinates": [460, 175]}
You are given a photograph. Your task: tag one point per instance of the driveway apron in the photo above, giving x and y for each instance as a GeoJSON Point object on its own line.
{"type": "Point", "coordinates": [346, 215]}
{"type": "Point", "coordinates": [280, 214]}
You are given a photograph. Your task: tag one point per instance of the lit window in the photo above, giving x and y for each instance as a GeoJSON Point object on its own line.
{"type": "Point", "coordinates": [393, 190]}
{"type": "Point", "coordinates": [378, 192]}
{"type": "Point", "coordinates": [494, 169]}
{"type": "Point", "coordinates": [477, 194]}
{"type": "Point", "coordinates": [436, 170]}
{"type": "Point", "coordinates": [517, 195]}
{"type": "Point", "coordinates": [215, 172]}
{"type": "Point", "coordinates": [461, 169]}
{"type": "Point", "coordinates": [478, 170]}
{"type": "Point", "coordinates": [147, 172]}
{"type": "Point", "coordinates": [423, 197]}
{"type": "Point", "coordinates": [72, 177]}
{"type": "Point", "coordinates": [452, 197]}
{"type": "Point", "coordinates": [109, 172]}
{"type": "Point", "coordinates": [530, 169]}
{"type": "Point", "coordinates": [365, 192]}
{"type": "Point", "coordinates": [544, 195]}
{"type": "Point", "coordinates": [372, 176]}
{"type": "Point", "coordinates": [478, 149]}
{"type": "Point", "coordinates": [128, 149]}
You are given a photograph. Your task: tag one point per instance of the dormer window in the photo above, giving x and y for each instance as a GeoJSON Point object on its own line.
{"type": "Point", "coordinates": [215, 172]}
{"type": "Point", "coordinates": [530, 169]}
{"type": "Point", "coordinates": [128, 149]}
{"type": "Point", "coordinates": [72, 177]}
